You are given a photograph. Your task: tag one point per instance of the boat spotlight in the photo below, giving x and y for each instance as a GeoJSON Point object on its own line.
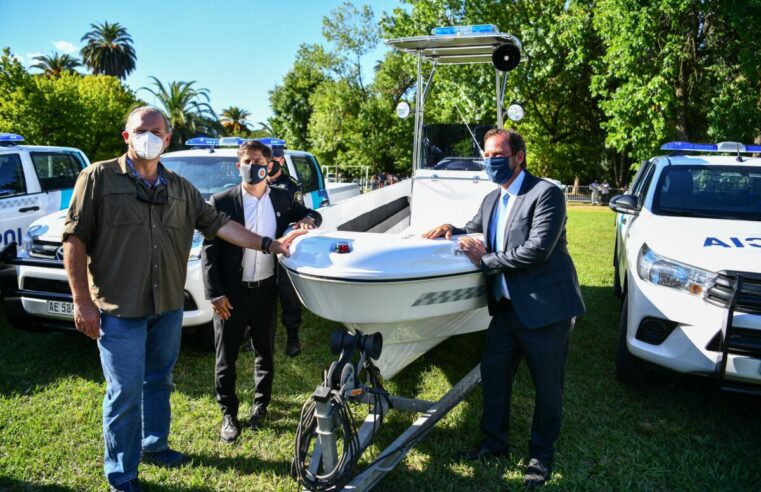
{"type": "Point", "coordinates": [403, 109]}
{"type": "Point", "coordinates": [515, 112]}
{"type": "Point", "coordinates": [506, 57]}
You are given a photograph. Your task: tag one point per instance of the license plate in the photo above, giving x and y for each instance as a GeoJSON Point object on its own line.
{"type": "Point", "coordinates": [60, 307]}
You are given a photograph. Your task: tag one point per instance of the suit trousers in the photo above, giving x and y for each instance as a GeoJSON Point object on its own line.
{"type": "Point", "coordinates": [291, 306]}
{"type": "Point", "coordinates": [545, 349]}
{"type": "Point", "coordinates": [255, 309]}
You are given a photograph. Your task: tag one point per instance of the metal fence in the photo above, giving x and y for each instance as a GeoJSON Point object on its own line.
{"type": "Point", "coordinates": [586, 194]}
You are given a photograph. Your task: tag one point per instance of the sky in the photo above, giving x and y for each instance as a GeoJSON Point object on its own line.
{"type": "Point", "coordinates": [239, 50]}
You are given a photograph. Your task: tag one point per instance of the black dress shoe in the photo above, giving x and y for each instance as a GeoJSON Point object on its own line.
{"type": "Point", "coordinates": [131, 486]}
{"type": "Point", "coordinates": [537, 472]}
{"type": "Point", "coordinates": [256, 420]}
{"type": "Point", "coordinates": [481, 454]}
{"type": "Point", "coordinates": [230, 429]}
{"type": "Point", "coordinates": [292, 348]}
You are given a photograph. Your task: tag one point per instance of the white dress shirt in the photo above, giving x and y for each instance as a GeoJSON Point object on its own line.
{"type": "Point", "coordinates": [501, 214]}
{"type": "Point", "coordinates": [260, 219]}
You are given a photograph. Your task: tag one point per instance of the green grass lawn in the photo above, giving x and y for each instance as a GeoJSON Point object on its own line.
{"type": "Point", "coordinates": [677, 434]}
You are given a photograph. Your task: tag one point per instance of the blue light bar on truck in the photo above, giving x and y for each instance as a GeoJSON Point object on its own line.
{"type": "Point", "coordinates": [10, 137]}
{"type": "Point", "coordinates": [731, 147]}
{"type": "Point", "coordinates": [202, 142]}
{"type": "Point", "coordinates": [460, 30]}
{"type": "Point", "coordinates": [231, 141]}
{"type": "Point", "coordinates": [272, 142]}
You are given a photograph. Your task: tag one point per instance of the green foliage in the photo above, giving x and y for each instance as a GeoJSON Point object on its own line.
{"type": "Point", "coordinates": [55, 64]}
{"type": "Point", "coordinates": [109, 50]}
{"type": "Point", "coordinates": [188, 110]}
{"type": "Point", "coordinates": [69, 110]}
{"type": "Point", "coordinates": [234, 120]}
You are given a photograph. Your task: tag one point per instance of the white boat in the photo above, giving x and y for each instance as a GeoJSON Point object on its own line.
{"type": "Point", "coordinates": [368, 266]}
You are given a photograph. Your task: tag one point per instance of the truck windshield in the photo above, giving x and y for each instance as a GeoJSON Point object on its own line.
{"type": "Point", "coordinates": [722, 192]}
{"type": "Point", "coordinates": [208, 174]}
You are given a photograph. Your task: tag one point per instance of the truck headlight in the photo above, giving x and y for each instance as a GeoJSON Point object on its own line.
{"type": "Point", "coordinates": [32, 232]}
{"type": "Point", "coordinates": [195, 248]}
{"type": "Point", "coordinates": [669, 273]}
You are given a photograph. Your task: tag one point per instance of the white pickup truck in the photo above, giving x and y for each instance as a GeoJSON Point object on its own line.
{"type": "Point", "coordinates": [688, 265]}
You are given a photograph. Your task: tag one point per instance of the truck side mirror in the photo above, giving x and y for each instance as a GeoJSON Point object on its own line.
{"type": "Point", "coordinates": [624, 204]}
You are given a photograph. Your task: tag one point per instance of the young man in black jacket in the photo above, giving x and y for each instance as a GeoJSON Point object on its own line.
{"type": "Point", "coordinates": [242, 286]}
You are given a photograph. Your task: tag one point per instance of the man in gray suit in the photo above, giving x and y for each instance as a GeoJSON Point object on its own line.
{"type": "Point", "coordinates": [533, 295]}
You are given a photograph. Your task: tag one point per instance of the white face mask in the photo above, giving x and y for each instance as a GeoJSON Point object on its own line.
{"type": "Point", "coordinates": [147, 145]}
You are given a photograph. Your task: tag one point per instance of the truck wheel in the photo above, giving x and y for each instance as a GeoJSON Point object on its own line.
{"type": "Point", "coordinates": [629, 369]}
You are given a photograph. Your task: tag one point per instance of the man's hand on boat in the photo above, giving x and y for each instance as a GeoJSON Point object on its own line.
{"type": "Point", "coordinates": [280, 246]}
{"type": "Point", "coordinates": [474, 248]}
{"type": "Point", "coordinates": [442, 230]}
{"type": "Point", "coordinates": [222, 307]}
{"type": "Point", "coordinates": [305, 223]}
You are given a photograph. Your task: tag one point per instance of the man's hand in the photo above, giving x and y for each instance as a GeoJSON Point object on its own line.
{"type": "Point", "coordinates": [87, 318]}
{"type": "Point", "coordinates": [305, 223]}
{"type": "Point", "coordinates": [280, 246]}
{"type": "Point", "coordinates": [222, 307]}
{"type": "Point", "coordinates": [442, 230]}
{"type": "Point", "coordinates": [473, 248]}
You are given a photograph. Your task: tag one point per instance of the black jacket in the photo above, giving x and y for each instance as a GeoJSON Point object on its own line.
{"type": "Point", "coordinates": [222, 261]}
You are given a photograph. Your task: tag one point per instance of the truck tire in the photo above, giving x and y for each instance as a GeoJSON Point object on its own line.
{"type": "Point", "coordinates": [629, 369]}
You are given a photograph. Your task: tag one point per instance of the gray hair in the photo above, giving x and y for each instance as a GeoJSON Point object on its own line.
{"type": "Point", "coordinates": [149, 110]}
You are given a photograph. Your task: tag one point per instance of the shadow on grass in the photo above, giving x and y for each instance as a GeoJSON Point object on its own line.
{"type": "Point", "coordinates": [12, 485]}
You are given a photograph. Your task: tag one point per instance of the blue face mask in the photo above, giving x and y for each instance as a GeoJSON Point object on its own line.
{"type": "Point", "coordinates": [498, 169]}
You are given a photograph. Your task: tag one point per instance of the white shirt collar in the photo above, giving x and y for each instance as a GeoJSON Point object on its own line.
{"type": "Point", "coordinates": [246, 194]}
{"type": "Point", "coordinates": [514, 187]}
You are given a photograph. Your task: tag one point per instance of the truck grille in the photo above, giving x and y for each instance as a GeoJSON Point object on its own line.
{"type": "Point", "coordinates": [748, 298]}
{"type": "Point", "coordinates": [47, 285]}
{"type": "Point", "coordinates": [45, 249]}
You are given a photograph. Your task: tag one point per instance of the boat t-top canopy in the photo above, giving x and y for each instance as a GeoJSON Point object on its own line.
{"type": "Point", "coordinates": [457, 45]}
{"type": "Point", "coordinates": [457, 48]}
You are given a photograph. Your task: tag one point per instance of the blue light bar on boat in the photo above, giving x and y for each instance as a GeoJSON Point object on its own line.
{"type": "Point", "coordinates": [460, 30]}
{"type": "Point", "coordinates": [10, 137]}
{"type": "Point", "coordinates": [732, 147]}
{"type": "Point", "coordinates": [202, 142]}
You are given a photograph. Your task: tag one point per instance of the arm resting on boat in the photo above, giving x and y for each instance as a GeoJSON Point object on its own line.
{"type": "Point", "coordinates": [547, 225]}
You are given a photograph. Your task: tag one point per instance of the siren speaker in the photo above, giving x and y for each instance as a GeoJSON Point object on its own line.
{"type": "Point", "coordinates": [506, 57]}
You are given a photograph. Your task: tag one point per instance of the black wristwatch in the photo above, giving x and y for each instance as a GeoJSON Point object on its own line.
{"type": "Point", "coordinates": [266, 243]}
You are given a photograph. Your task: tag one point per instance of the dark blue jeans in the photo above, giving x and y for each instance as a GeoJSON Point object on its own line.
{"type": "Point", "coordinates": [137, 356]}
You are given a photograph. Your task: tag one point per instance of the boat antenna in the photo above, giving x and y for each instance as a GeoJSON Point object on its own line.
{"type": "Point", "coordinates": [480, 150]}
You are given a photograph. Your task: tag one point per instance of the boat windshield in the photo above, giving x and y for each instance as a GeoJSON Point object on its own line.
{"type": "Point", "coordinates": [450, 146]}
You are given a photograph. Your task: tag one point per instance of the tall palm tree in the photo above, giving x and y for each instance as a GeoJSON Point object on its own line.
{"type": "Point", "coordinates": [54, 65]}
{"type": "Point", "coordinates": [267, 127]}
{"type": "Point", "coordinates": [234, 120]}
{"type": "Point", "coordinates": [109, 50]}
{"type": "Point", "coordinates": [187, 107]}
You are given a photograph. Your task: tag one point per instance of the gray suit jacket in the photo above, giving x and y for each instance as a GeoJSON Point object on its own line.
{"type": "Point", "coordinates": [539, 272]}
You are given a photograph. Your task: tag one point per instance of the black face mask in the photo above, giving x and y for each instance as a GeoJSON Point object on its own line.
{"type": "Point", "coordinates": [275, 168]}
{"type": "Point", "coordinates": [253, 173]}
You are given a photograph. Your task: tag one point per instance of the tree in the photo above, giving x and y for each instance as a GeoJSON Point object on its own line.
{"type": "Point", "coordinates": [354, 33]}
{"type": "Point", "coordinates": [188, 109]}
{"type": "Point", "coordinates": [234, 120]}
{"type": "Point", "coordinates": [109, 50]}
{"type": "Point", "coordinates": [290, 101]}
{"type": "Point", "coordinates": [69, 110]}
{"type": "Point", "coordinates": [54, 65]}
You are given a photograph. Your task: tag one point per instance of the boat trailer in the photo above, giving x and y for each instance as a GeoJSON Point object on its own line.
{"type": "Point", "coordinates": [327, 428]}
